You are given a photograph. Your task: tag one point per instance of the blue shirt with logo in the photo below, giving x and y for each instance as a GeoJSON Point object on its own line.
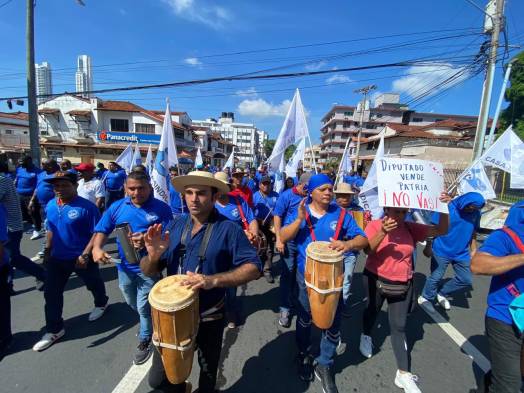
{"type": "Point", "coordinates": [324, 229]}
{"type": "Point", "coordinates": [115, 180]}
{"type": "Point", "coordinates": [3, 234]}
{"type": "Point", "coordinates": [499, 244]}
{"type": "Point", "coordinates": [26, 180]}
{"type": "Point", "coordinates": [153, 211]}
{"type": "Point", "coordinates": [176, 201]}
{"type": "Point", "coordinates": [265, 205]}
{"type": "Point", "coordinates": [230, 211]}
{"type": "Point", "coordinates": [72, 225]}
{"type": "Point", "coordinates": [286, 206]}
{"type": "Point", "coordinates": [228, 248]}
{"type": "Point", "coordinates": [44, 189]}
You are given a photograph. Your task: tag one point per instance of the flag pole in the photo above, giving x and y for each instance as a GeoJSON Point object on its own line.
{"type": "Point", "coordinates": [342, 160]}
{"type": "Point", "coordinates": [312, 152]}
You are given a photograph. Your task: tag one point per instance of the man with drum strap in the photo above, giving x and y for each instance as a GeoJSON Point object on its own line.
{"type": "Point", "coordinates": [319, 221]}
{"type": "Point", "coordinates": [140, 210]}
{"type": "Point", "coordinates": [286, 206]}
{"type": "Point", "coordinates": [265, 200]}
{"type": "Point", "coordinates": [229, 261]}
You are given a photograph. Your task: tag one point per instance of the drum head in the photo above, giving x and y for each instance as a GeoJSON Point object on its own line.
{"type": "Point", "coordinates": [320, 251]}
{"type": "Point", "coordinates": [169, 295]}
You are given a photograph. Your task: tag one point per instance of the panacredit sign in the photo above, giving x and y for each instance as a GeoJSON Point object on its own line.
{"type": "Point", "coordinates": [127, 137]}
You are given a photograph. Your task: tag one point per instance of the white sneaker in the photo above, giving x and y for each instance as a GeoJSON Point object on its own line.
{"type": "Point", "coordinates": [97, 313]}
{"type": "Point", "coordinates": [407, 381]}
{"type": "Point", "coordinates": [444, 303]}
{"type": "Point", "coordinates": [35, 235]}
{"type": "Point", "coordinates": [366, 346]}
{"type": "Point", "coordinates": [426, 304]}
{"type": "Point", "coordinates": [47, 340]}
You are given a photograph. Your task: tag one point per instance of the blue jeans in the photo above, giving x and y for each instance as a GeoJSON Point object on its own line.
{"type": "Point", "coordinates": [135, 288]}
{"type": "Point", "coordinates": [349, 267]}
{"type": "Point", "coordinates": [461, 281]}
{"type": "Point", "coordinates": [287, 277]}
{"type": "Point", "coordinates": [330, 337]}
{"type": "Point", "coordinates": [58, 272]}
{"type": "Point", "coordinates": [20, 261]}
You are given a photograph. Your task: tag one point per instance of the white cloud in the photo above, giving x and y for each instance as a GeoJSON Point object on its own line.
{"type": "Point", "coordinates": [338, 78]}
{"type": "Point", "coordinates": [250, 92]}
{"type": "Point", "coordinates": [199, 11]}
{"type": "Point", "coordinates": [261, 108]}
{"type": "Point", "coordinates": [193, 61]}
{"type": "Point", "coordinates": [315, 66]}
{"type": "Point", "coordinates": [420, 79]}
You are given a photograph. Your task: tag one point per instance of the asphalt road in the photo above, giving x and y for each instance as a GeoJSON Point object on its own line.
{"type": "Point", "coordinates": [258, 356]}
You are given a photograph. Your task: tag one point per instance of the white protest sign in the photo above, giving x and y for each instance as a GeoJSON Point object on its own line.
{"type": "Point", "coordinates": [412, 184]}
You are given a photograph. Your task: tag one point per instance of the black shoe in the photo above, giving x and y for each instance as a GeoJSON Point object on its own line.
{"type": "Point", "coordinates": [143, 352]}
{"type": "Point", "coordinates": [305, 367]}
{"type": "Point", "coordinates": [325, 376]}
{"type": "Point", "coordinates": [269, 277]}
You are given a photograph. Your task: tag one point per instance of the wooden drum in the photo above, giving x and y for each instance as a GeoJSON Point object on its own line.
{"type": "Point", "coordinates": [324, 276]}
{"type": "Point", "coordinates": [358, 216]}
{"type": "Point", "coordinates": [175, 313]}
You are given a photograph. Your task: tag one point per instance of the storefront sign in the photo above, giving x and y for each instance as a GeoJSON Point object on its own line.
{"type": "Point", "coordinates": [127, 137]}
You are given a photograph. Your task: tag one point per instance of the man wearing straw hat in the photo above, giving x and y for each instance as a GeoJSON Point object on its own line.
{"type": "Point", "coordinates": [230, 261]}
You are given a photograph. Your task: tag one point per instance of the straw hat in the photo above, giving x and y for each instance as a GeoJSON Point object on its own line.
{"type": "Point", "coordinates": [223, 177]}
{"type": "Point", "coordinates": [198, 178]}
{"type": "Point", "coordinates": [343, 188]}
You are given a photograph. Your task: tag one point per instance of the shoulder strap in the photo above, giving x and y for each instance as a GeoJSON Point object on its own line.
{"type": "Point", "coordinates": [185, 232]}
{"type": "Point", "coordinates": [340, 221]}
{"type": "Point", "coordinates": [245, 224]}
{"type": "Point", "coordinates": [310, 227]}
{"type": "Point", "coordinates": [514, 237]}
{"type": "Point", "coordinates": [203, 245]}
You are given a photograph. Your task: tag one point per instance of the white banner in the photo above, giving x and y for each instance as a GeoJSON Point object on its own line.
{"type": "Point", "coordinates": [149, 160]}
{"type": "Point", "coordinates": [137, 158]}
{"type": "Point", "coordinates": [498, 154]}
{"type": "Point", "coordinates": [476, 180]}
{"type": "Point", "coordinates": [296, 158]}
{"type": "Point", "coordinates": [125, 159]}
{"type": "Point", "coordinates": [410, 184]}
{"type": "Point", "coordinates": [517, 163]}
{"type": "Point", "coordinates": [279, 176]}
{"type": "Point", "coordinates": [230, 161]}
{"type": "Point", "coordinates": [198, 160]}
{"type": "Point", "coordinates": [371, 180]}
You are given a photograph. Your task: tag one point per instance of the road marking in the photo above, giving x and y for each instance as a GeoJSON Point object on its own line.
{"type": "Point", "coordinates": [35, 258]}
{"type": "Point", "coordinates": [468, 348]}
{"type": "Point", "coordinates": [133, 377]}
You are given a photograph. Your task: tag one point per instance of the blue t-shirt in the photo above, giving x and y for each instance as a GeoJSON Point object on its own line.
{"type": "Point", "coordinates": [72, 226]}
{"type": "Point", "coordinates": [115, 180]}
{"type": "Point", "coordinates": [349, 179]}
{"type": "Point", "coordinates": [44, 189]}
{"type": "Point", "coordinates": [286, 206]}
{"type": "Point", "coordinates": [227, 249]}
{"type": "Point", "coordinates": [455, 244]}
{"type": "Point", "coordinates": [140, 218]}
{"type": "Point", "coordinates": [499, 244]}
{"type": "Point", "coordinates": [252, 184]}
{"type": "Point", "coordinates": [176, 201]}
{"type": "Point", "coordinates": [26, 180]}
{"type": "Point", "coordinates": [264, 205]}
{"type": "Point", "coordinates": [3, 234]}
{"type": "Point", "coordinates": [99, 173]}
{"type": "Point", "coordinates": [324, 228]}
{"type": "Point", "coordinates": [230, 211]}
{"type": "Point", "coordinates": [359, 181]}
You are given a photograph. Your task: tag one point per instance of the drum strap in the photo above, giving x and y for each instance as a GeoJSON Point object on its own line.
{"type": "Point", "coordinates": [322, 291]}
{"type": "Point", "coordinates": [181, 348]}
{"type": "Point", "coordinates": [203, 246]}
{"type": "Point", "coordinates": [340, 221]}
{"type": "Point", "coordinates": [245, 224]}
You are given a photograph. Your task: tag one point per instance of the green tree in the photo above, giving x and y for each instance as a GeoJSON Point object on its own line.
{"type": "Point", "coordinates": [514, 113]}
{"type": "Point", "coordinates": [270, 144]}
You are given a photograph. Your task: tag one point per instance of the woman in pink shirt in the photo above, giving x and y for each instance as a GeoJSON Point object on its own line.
{"type": "Point", "coordinates": [388, 275]}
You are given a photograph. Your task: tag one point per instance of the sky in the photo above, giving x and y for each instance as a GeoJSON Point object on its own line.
{"type": "Point", "coordinates": [134, 42]}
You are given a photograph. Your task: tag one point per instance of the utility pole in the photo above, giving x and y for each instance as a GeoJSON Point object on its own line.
{"type": "Point", "coordinates": [485, 102]}
{"type": "Point", "coordinates": [31, 84]}
{"type": "Point", "coordinates": [365, 91]}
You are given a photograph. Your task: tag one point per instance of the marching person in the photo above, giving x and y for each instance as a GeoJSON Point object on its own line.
{"type": "Point", "coordinates": [285, 208]}
{"type": "Point", "coordinates": [228, 261]}
{"type": "Point", "coordinates": [25, 182]}
{"type": "Point", "coordinates": [455, 248]}
{"type": "Point", "coordinates": [265, 200]}
{"type": "Point", "coordinates": [70, 223]}
{"type": "Point", "coordinates": [238, 187]}
{"type": "Point", "coordinates": [114, 181]}
{"type": "Point", "coordinates": [502, 257]}
{"type": "Point", "coordinates": [6, 335]}
{"type": "Point", "coordinates": [319, 220]}
{"type": "Point", "coordinates": [388, 276]}
{"type": "Point", "coordinates": [252, 182]}
{"type": "Point", "coordinates": [140, 210]}
{"type": "Point", "coordinates": [235, 209]}
{"type": "Point", "coordinates": [66, 166]}
{"type": "Point", "coordinates": [89, 187]}
{"type": "Point", "coordinates": [100, 171]}
{"type": "Point", "coordinates": [176, 199]}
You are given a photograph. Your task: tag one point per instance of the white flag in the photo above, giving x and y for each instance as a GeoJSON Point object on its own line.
{"type": "Point", "coordinates": [137, 158]}
{"type": "Point", "coordinates": [125, 159]}
{"type": "Point", "coordinates": [149, 161]}
{"type": "Point", "coordinates": [476, 180]}
{"type": "Point", "coordinates": [279, 176]}
{"type": "Point", "coordinates": [517, 163]}
{"type": "Point", "coordinates": [345, 165]}
{"type": "Point", "coordinates": [371, 181]}
{"type": "Point", "coordinates": [198, 159]}
{"type": "Point", "coordinates": [368, 196]}
{"type": "Point", "coordinates": [499, 153]}
{"type": "Point", "coordinates": [293, 129]}
{"type": "Point", "coordinates": [230, 161]}
{"type": "Point", "coordinates": [166, 157]}
{"type": "Point", "coordinates": [296, 158]}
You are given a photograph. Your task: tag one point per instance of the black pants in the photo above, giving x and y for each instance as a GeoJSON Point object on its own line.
{"type": "Point", "coordinates": [398, 309]}
{"type": "Point", "coordinates": [32, 216]}
{"type": "Point", "coordinates": [209, 345]}
{"type": "Point", "coordinates": [505, 348]}
{"type": "Point", "coordinates": [5, 305]}
{"type": "Point", "coordinates": [267, 257]}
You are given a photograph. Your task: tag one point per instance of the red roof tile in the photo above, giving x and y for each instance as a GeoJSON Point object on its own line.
{"type": "Point", "coordinates": [123, 106]}
{"type": "Point", "coordinates": [79, 113]}
{"type": "Point", "coordinates": [15, 115]}
{"type": "Point", "coordinates": [48, 111]}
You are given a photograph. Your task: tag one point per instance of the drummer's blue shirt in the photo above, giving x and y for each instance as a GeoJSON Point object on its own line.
{"type": "Point", "coordinates": [286, 206]}
{"type": "Point", "coordinates": [228, 248]}
{"type": "Point", "coordinates": [140, 218]}
{"type": "Point", "coordinates": [324, 228]}
{"type": "Point", "coordinates": [115, 180]}
{"type": "Point", "coordinates": [230, 211]}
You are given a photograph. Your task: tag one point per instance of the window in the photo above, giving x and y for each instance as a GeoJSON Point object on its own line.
{"type": "Point", "coordinates": [120, 125]}
{"type": "Point", "coordinates": [9, 132]}
{"type": "Point", "coordinates": [145, 128]}
{"type": "Point", "coordinates": [349, 113]}
{"type": "Point", "coordinates": [439, 120]}
{"type": "Point", "coordinates": [417, 119]}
